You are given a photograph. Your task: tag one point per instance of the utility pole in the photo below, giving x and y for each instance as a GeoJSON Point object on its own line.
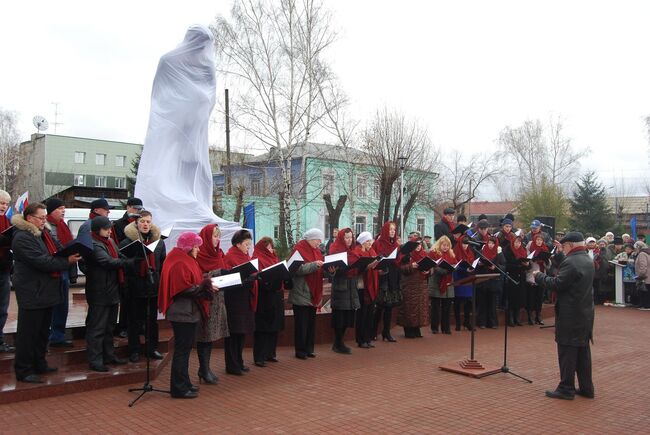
{"type": "Point", "coordinates": [228, 172]}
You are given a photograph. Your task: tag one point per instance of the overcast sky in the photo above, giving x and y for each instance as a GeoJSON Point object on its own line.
{"type": "Point", "coordinates": [464, 69]}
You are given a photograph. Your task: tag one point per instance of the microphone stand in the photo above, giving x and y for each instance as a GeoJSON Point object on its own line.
{"type": "Point", "coordinates": [504, 367]}
{"type": "Point", "coordinates": [147, 387]}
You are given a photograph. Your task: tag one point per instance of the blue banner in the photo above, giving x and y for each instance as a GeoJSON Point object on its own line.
{"type": "Point", "coordinates": [249, 218]}
{"type": "Point", "coordinates": [633, 228]}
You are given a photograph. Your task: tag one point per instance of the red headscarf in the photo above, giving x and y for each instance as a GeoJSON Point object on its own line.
{"type": "Point", "coordinates": [112, 251]}
{"type": "Point", "coordinates": [537, 249]}
{"type": "Point", "coordinates": [518, 252]}
{"type": "Point", "coordinates": [180, 271]}
{"type": "Point", "coordinates": [490, 253]}
{"type": "Point", "coordinates": [265, 257]}
{"type": "Point", "coordinates": [62, 230]}
{"type": "Point", "coordinates": [450, 258]}
{"type": "Point", "coordinates": [234, 257]}
{"type": "Point", "coordinates": [209, 258]}
{"type": "Point", "coordinates": [370, 276]}
{"type": "Point", "coordinates": [314, 280]}
{"type": "Point", "coordinates": [463, 254]}
{"type": "Point", "coordinates": [339, 246]}
{"type": "Point", "coordinates": [384, 245]}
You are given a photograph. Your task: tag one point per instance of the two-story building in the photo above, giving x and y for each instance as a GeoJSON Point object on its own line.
{"type": "Point", "coordinates": [316, 169]}
{"type": "Point", "coordinates": [51, 164]}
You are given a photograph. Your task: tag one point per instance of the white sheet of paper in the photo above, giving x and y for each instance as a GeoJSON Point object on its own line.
{"type": "Point", "coordinates": [229, 280]}
{"type": "Point", "coordinates": [342, 256]}
{"type": "Point", "coordinates": [275, 265]}
{"type": "Point", "coordinates": [295, 257]}
{"type": "Point", "coordinates": [392, 256]}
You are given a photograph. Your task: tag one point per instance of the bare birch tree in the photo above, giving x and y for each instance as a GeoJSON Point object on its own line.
{"type": "Point", "coordinates": [274, 52]}
{"type": "Point", "coordinates": [9, 150]}
{"type": "Point", "coordinates": [390, 136]}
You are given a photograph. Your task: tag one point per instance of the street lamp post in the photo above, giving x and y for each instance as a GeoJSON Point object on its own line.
{"type": "Point", "coordinates": [402, 165]}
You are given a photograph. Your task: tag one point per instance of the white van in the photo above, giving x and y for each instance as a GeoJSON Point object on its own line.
{"type": "Point", "coordinates": [75, 217]}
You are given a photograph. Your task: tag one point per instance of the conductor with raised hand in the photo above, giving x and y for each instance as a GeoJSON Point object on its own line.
{"type": "Point", "coordinates": [574, 316]}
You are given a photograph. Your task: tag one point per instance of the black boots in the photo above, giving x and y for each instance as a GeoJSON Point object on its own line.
{"type": "Point", "coordinates": [204, 350]}
{"type": "Point", "coordinates": [339, 346]}
{"type": "Point", "coordinates": [530, 319]}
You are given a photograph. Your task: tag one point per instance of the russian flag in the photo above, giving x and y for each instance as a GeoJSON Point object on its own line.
{"type": "Point", "coordinates": [22, 202]}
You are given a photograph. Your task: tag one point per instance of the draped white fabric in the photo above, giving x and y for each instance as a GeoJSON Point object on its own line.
{"type": "Point", "coordinates": [174, 178]}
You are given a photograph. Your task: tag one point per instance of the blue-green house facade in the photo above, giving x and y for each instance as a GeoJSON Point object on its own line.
{"type": "Point", "coordinates": [316, 170]}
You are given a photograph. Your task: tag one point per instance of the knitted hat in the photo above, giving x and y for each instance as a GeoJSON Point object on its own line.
{"type": "Point", "coordinates": [188, 240]}
{"type": "Point", "coordinates": [52, 204]}
{"type": "Point", "coordinates": [313, 234]}
{"type": "Point", "coordinates": [99, 223]}
{"type": "Point", "coordinates": [99, 203]}
{"type": "Point", "coordinates": [506, 221]}
{"type": "Point", "coordinates": [364, 237]}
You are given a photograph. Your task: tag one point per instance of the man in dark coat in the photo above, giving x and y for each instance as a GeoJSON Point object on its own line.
{"type": "Point", "coordinates": [574, 316]}
{"type": "Point", "coordinates": [445, 226]}
{"type": "Point", "coordinates": [37, 281]}
{"type": "Point", "coordinates": [536, 228]}
{"type": "Point", "coordinates": [133, 208]}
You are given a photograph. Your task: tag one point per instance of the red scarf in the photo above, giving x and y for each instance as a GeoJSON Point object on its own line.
{"type": "Point", "coordinates": [449, 258]}
{"type": "Point", "coordinates": [339, 246]}
{"type": "Point", "coordinates": [384, 245]}
{"type": "Point", "coordinates": [150, 256]}
{"type": "Point", "coordinates": [4, 224]}
{"type": "Point", "coordinates": [234, 257]}
{"type": "Point", "coordinates": [314, 280]}
{"type": "Point", "coordinates": [62, 230]}
{"type": "Point", "coordinates": [509, 236]}
{"type": "Point", "coordinates": [370, 276]}
{"type": "Point", "coordinates": [537, 249]}
{"type": "Point", "coordinates": [463, 254]}
{"type": "Point", "coordinates": [112, 251]}
{"type": "Point", "coordinates": [180, 272]}
{"type": "Point", "coordinates": [490, 253]}
{"type": "Point", "coordinates": [265, 257]}
{"type": "Point", "coordinates": [51, 248]}
{"type": "Point", "coordinates": [518, 252]}
{"type": "Point", "coordinates": [93, 215]}
{"type": "Point", "coordinates": [450, 222]}
{"type": "Point", "coordinates": [210, 258]}
{"type": "Point", "coordinates": [416, 256]}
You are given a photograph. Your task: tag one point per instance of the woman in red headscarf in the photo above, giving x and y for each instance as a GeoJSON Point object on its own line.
{"type": "Point", "coordinates": [368, 291]}
{"type": "Point", "coordinates": [516, 265]}
{"type": "Point", "coordinates": [441, 293]}
{"type": "Point", "coordinates": [390, 294]}
{"type": "Point", "coordinates": [307, 292]}
{"type": "Point", "coordinates": [241, 302]}
{"type": "Point", "coordinates": [345, 298]}
{"type": "Point", "coordinates": [269, 316]}
{"type": "Point", "coordinates": [535, 293]}
{"type": "Point", "coordinates": [210, 259]}
{"type": "Point", "coordinates": [413, 313]}
{"type": "Point", "coordinates": [487, 291]}
{"type": "Point", "coordinates": [184, 298]}
{"type": "Point", "coordinates": [463, 293]}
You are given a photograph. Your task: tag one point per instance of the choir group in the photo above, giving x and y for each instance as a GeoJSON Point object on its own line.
{"type": "Point", "coordinates": [371, 277]}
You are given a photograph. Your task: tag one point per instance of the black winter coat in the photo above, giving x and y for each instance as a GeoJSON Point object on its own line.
{"type": "Point", "coordinates": [241, 318]}
{"type": "Point", "coordinates": [269, 316]}
{"type": "Point", "coordinates": [442, 229]}
{"type": "Point", "coordinates": [138, 286]}
{"type": "Point", "coordinates": [102, 284]}
{"type": "Point", "coordinates": [35, 286]}
{"type": "Point", "coordinates": [574, 309]}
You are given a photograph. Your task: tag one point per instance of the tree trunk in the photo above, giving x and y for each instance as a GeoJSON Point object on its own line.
{"type": "Point", "coordinates": [239, 203]}
{"type": "Point", "coordinates": [334, 212]}
{"type": "Point", "coordinates": [281, 229]}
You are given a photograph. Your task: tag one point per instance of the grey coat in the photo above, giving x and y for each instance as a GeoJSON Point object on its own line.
{"type": "Point", "coordinates": [574, 309]}
{"type": "Point", "coordinates": [642, 265]}
{"type": "Point", "coordinates": [300, 294]}
{"type": "Point", "coordinates": [434, 284]}
{"type": "Point", "coordinates": [35, 286]}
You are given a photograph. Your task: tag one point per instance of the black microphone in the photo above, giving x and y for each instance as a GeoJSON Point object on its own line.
{"type": "Point", "coordinates": [473, 243]}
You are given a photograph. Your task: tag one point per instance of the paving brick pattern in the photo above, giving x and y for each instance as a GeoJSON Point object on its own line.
{"type": "Point", "coordinates": [394, 388]}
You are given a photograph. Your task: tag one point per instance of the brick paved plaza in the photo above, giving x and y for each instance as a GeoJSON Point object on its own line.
{"type": "Point", "coordinates": [394, 388]}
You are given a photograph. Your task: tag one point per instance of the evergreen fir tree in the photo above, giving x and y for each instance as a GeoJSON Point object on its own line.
{"type": "Point", "coordinates": [590, 212]}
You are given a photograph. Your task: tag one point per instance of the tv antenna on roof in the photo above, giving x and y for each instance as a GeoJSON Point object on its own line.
{"type": "Point", "coordinates": [40, 123]}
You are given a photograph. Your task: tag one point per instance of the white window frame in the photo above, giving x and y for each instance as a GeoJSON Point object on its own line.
{"type": "Point", "coordinates": [100, 180]}
{"type": "Point", "coordinates": [81, 154]}
{"type": "Point", "coordinates": [120, 161]}
{"type": "Point", "coordinates": [362, 186]}
{"type": "Point", "coordinates": [328, 187]}
{"type": "Point", "coordinates": [120, 182]}
{"type": "Point", "coordinates": [357, 229]}
{"type": "Point", "coordinates": [417, 224]}
{"type": "Point", "coordinates": [101, 156]}
{"type": "Point", "coordinates": [79, 180]}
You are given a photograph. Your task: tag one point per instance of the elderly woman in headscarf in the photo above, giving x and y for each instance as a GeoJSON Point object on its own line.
{"type": "Point", "coordinates": [184, 298]}
{"type": "Point", "coordinates": [210, 259]}
{"type": "Point", "coordinates": [307, 292]}
{"type": "Point", "coordinates": [368, 289]}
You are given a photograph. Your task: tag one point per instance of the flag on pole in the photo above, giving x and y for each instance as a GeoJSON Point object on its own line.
{"type": "Point", "coordinates": [22, 202]}
{"type": "Point", "coordinates": [633, 228]}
